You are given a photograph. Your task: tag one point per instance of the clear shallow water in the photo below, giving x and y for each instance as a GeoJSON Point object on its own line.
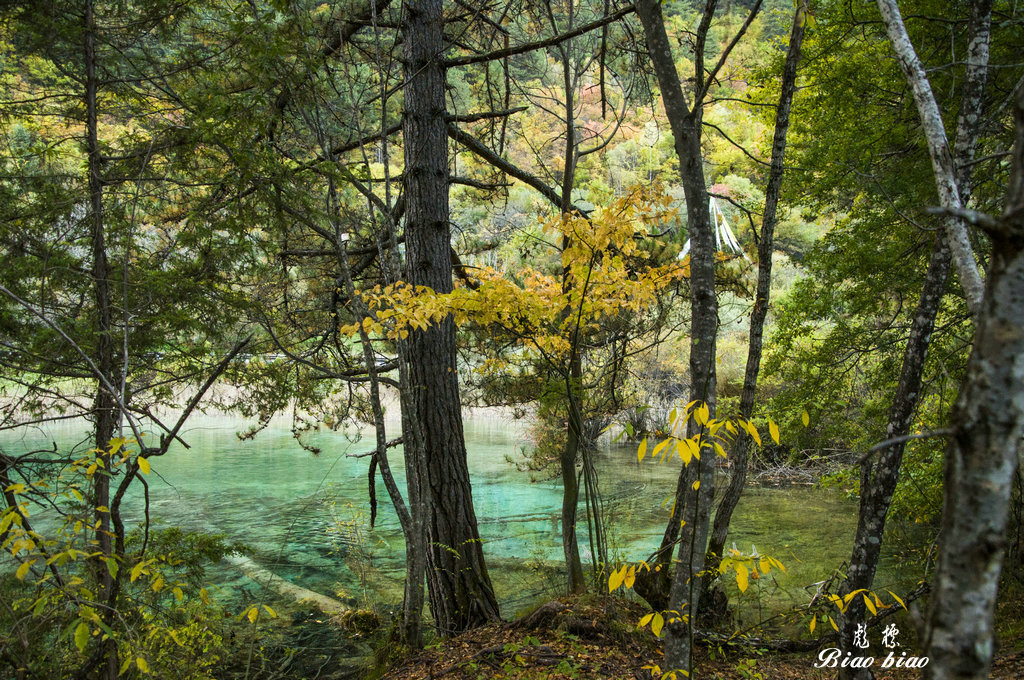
{"type": "Point", "coordinates": [307, 517]}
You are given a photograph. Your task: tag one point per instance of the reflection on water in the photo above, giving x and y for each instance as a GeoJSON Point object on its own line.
{"type": "Point", "coordinates": [306, 517]}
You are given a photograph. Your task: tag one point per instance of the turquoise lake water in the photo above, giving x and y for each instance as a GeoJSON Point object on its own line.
{"type": "Point", "coordinates": [306, 517]}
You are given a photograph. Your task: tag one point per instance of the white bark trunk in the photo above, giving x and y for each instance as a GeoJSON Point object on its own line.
{"type": "Point", "coordinates": [982, 456]}
{"type": "Point", "coordinates": [938, 150]}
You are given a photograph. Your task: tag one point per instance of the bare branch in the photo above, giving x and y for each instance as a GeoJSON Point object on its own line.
{"type": "Point", "coordinates": [485, 115]}
{"type": "Point", "coordinates": [505, 166]}
{"type": "Point", "coordinates": [989, 224]}
{"type": "Point", "coordinates": [725, 53]}
{"type": "Point", "coordinates": [540, 44]}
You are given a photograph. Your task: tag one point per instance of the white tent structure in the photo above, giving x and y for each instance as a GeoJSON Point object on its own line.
{"type": "Point", "coordinates": [723, 233]}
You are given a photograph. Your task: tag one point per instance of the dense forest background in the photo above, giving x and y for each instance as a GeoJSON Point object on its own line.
{"type": "Point", "coordinates": [741, 236]}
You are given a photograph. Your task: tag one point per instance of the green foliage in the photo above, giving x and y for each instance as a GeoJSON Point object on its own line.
{"type": "Point", "coordinates": [167, 624]}
{"type": "Point", "coordinates": [189, 553]}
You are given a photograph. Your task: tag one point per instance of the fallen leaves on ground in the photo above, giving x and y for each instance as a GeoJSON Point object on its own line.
{"type": "Point", "coordinates": [596, 638]}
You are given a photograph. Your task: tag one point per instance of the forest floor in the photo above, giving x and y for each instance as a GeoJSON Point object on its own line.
{"type": "Point", "coordinates": [597, 638]}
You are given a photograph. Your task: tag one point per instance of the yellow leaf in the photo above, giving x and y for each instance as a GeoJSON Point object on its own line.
{"type": "Point", "coordinates": [751, 430]}
{"type": "Point", "coordinates": [870, 605]}
{"type": "Point", "coordinates": [657, 623]}
{"type": "Point", "coordinates": [137, 571]}
{"type": "Point", "coordinates": [270, 611]}
{"type": "Point", "coordinates": [833, 624]}
{"type": "Point", "coordinates": [805, 417]}
{"type": "Point", "coordinates": [850, 596]}
{"type": "Point", "coordinates": [642, 451]}
{"type": "Point", "coordinates": [683, 451]}
{"type": "Point", "coordinates": [178, 594]}
{"type": "Point", "coordinates": [692, 449]}
{"type": "Point", "coordinates": [766, 565]}
{"type": "Point", "coordinates": [630, 577]}
{"type": "Point", "coordinates": [773, 430]}
{"type": "Point", "coordinates": [814, 622]}
{"type": "Point", "coordinates": [696, 485]}
{"type": "Point", "coordinates": [204, 596]}
{"type": "Point", "coordinates": [81, 636]}
{"type": "Point", "coordinates": [742, 577]}
{"type": "Point", "coordinates": [141, 663]}
{"type": "Point", "coordinates": [897, 598]}
{"type": "Point", "coordinates": [23, 570]}
{"type": "Point", "coordinates": [143, 465]}
{"type": "Point", "coordinates": [701, 414]}
{"type": "Point", "coordinates": [647, 619]}
{"type": "Point", "coordinates": [719, 450]}
{"type": "Point", "coordinates": [615, 579]}
{"type": "Point", "coordinates": [252, 614]}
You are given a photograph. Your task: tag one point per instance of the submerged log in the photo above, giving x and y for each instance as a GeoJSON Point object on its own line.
{"type": "Point", "coordinates": [271, 581]}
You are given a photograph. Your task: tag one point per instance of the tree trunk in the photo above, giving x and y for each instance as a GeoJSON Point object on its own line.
{"type": "Point", "coordinates": [460, 589]}
{"type": "Point", "coordinates": [103, 403]}
{"type": "Point", "coordinates": [692, 507]}
{"type": "Point", "coordinates": [879, 480]}
{"type": "Point", "coordinates": [570, 484]}
{"type": "Point", "coordinates": [574, 431]}
{"type": "Point", "coordinates": [570, 500]}
{"type": "Point", "coordinates": [765, 250]}
{"type": "Point", "coordinates": [982, 455]}
{"type": "Point", "coordinates": [412, 530]}
{"type": "Point", "coordinates": [938, 147]}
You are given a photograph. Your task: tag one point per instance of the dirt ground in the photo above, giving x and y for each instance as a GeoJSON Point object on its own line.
{"type": "Point", "coordinates": [590, 640]}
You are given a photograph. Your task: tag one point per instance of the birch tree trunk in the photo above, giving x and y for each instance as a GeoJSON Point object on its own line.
{"type": "Point", "coordinates": [879, 479]}
{"type": "Point", "coordinates": [938, 148]}
{"type": "Point", "coordinates": [982, 455]}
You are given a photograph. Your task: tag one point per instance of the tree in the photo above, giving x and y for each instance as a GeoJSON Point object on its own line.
{"type": "Point", "coordinates": [765, 252]}
{"type": "Point", "coordinates": [879, 479]}
{"type": "Point", "coordinates": [689, 524]}
{"type": "Point", "coordinates": [318, 111]}
{"type": "Point", "coordinates": [460, 588]}
{"type": "Point", "coordinates": [556, 89]}
{"type": "Point", "coordinates": [612, 309]}
{"type": "Point", "coordinates": [983, 450]}
{"type": "Point", "coordinates": [103, 283]}
{"type": "Point", "coordinates": [943, 164]}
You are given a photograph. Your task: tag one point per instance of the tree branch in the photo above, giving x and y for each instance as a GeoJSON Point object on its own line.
{"type": "Point", "coordinates": [539, 44]}
{"type": "Point", "coordinates": [505, 166]}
